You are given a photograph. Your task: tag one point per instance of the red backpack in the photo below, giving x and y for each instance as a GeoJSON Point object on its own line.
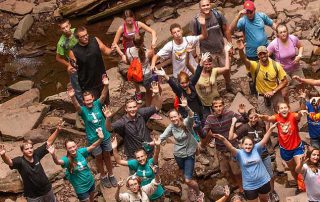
{"type": "Point", "coordinates": [135, 70]}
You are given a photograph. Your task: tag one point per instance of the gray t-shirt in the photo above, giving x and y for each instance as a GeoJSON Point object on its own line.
{"type": "Point", "coordinates": [214, 43]}
{"type": "Point", "coordinates": [312, 182]}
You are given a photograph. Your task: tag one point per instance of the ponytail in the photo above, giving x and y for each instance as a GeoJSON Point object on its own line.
{"type": "Point", "coordinates": [138, 43]}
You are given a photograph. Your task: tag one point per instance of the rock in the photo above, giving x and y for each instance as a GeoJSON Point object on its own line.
{"type": "Point", "coordinates": [143, 12]}
{"type": "Point", "coordinates": [159, 125]}
{"type": "Point", "coordinates": [56, 13]}
{"type": "Point", "coordinates": [167, 97]}
{"type": "Point", "coordinates": [308, 48]}
{"type": "Point", "coordinates": [316, 50]}
{"type": "Point", "coordinates": [265, 7]}
{"type": "Point", "coordinates": [291, 26]}
{"type": "Point", "coordinates": [149, 22]}
{"type": "Point", "coordinates": [305, 137]}
{"type": "Point", "coordinates": [41, 31]}
{"type": "Point", "coordinates": [21, 199]}
{"type": "Point", "coordinates": [239, 99]}
{"type": "Point", "coordinates": [72, 133]}
{"type": "Point", "coordinates": [23, 27]}
{"type": "Point", "coordinates": [242, 72]}
{"type": "Point", "coordinates": [285, 5]}
{"type": "Point", "coordinates": [8, 200]}
{"type": "Point", "coordinates": [6, 26]}
{"type": "Point", "coordinates": [164, 13]}
{"type": "Point", "coordinates": [16, 7]}
{"type": "Point", "coordinates": [45, 7]}
{"type": "Point", "coordinates": [70, 118]}
{"type": "Point", "coordinates": [230, 13]}
{"type": "Point", "coordinates": [281, 17]}
{"type": "Point", "coordinates": [313, 8]}
{"type": "Point", "coordinates": [24, 67]}
{"type": "Point", "coordinates": [60, 101]}
{"type": "Point", "coordinates": [25, 100]}
{"type": "Point", "coordinates": [166, 152]}
{"type": "Point", "coordinates": [21, 86]}
{"type": "Point", "coordinates": [37, 135]}
{"type": "Point", "coordinates": [51, 121]}
{"type": "Point", "coordinates": [279, 163]}
{"type": "Point", "coordinates": [173, 189]}
{"type": "Point", "coordinates": [13, 21]}
{"type": "Point", "coordinates": [15, 123]}
{"type": "Point", "coordinates": [116, 23]}
{"type": "Point", "coordinates": [269, 31]}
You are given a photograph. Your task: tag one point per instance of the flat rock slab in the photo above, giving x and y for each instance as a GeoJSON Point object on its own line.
{"type": "Point", "coordinates": [15, 123]}
{"type": "Point", "coordinates": [60, 101]}
{"type": "Point", "coordinates": [239, 99]}
{"type": "Point", "coordinates": [159, 125]}
{"type": "Point", "coordinates": [21, 86]}
{"type": "Point", "coordinates": [45, 7]}
{"type": "Point", "coordinates": [25, 100]}
{"type": "Point", "coordinates": [23, 27]}
{"type": "Point", "coordinates": [16, 7]}
{"type": "Point", "coordinates": [242, 72]}
{"type": "Point", "coordinates": [116, 23]}
{"type": "Point", "coordinates": [265, 7]}
{"type": "Point", "coordinates": [37, 135]}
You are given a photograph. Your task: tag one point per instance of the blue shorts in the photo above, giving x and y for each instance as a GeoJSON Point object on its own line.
{"type": "Point", "coordinates": [86, 195]}
{"type": "Point", "coordinates": [287, 155]}
{"type": "Point", "coordinates": [186, 165]}
{"type": "Point", "coordinates": [104, 146]}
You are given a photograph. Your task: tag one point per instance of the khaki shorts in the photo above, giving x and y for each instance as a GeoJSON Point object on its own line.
{"type": "Point", "coordinates": [269, 110]}
{"type": "Point", "coordinates": [228, 164]}
{"type": "Point", "coordinates": [218, 59]}
{"type": "Point", "coordinates": [297, 72]}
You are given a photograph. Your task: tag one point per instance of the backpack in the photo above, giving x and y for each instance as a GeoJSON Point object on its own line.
{"type": "Point", "coordinates": [217, 15]}
{"type": "Point", "coordinates": [135, 70]}
{"type": "Point", "coordinates": [258, 69]}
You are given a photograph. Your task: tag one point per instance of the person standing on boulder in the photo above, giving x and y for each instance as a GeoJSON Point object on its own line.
{"type": "Point", "coordinates": [217, 28]}
{"type": "Point", "coordinates": [66, 42]}
{"type": "Point", "coordinates": [37, 186]}
{"type": "Point", "coordinates": [88, 61]}
{"type": "Point", "coordinates": [91, 114]}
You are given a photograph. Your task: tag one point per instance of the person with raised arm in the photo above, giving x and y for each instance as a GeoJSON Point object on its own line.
{"type": "Point", "coordinates": [93, 118]}
{"type": "Point", "coordinates": [37, 186]}
{"type": "Point", "coordinates": [77, 170]}
{"type": "Point", "coordinates": [141, 166]}
{"type": "Point", "coordinates": [313, 82]}
{"type": "Point", "coordinates": [255, 177]}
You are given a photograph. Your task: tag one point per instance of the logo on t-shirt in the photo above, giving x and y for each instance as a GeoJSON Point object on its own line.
{"type": "Point", "coordinates": [95, 119]}
{"type": "Point", "coordinates": [314, 116]}
{"type": "Point", "coordinates": [80, 166]}
{"type": "Point", "coordinates": [286, 128]}
{"type": "Point", "coordinates": [180, 55]}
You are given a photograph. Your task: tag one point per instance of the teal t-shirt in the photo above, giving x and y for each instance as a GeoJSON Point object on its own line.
{"type": "Point", "coordinates": [93, 119]}
{"type": "Point", "coordinates": [146, 174]}
{"type": "Point", "coordinates": [81, 178]}
{"type": "Point", "coordinates": [66, 44]}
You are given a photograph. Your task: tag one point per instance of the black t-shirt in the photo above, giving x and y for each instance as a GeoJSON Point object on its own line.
{"type": "Point", "coordinates": [35, 180]}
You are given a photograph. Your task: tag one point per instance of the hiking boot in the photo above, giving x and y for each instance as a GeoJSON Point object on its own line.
{"type": "Point", "coordinates": [200, 197]}
{"type": "Point", "coordinates": [138, 98]}
{"type": "Point", "coordinates": [156, 117]}
{"type": "Point", "coordinates": [106, 182]}
{"type": "Point", "coordinates": [202, 159]}
{"type": "Point", "coordinates": [113, 181]}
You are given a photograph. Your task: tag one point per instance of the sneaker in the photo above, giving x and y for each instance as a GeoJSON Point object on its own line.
{"type": "Point", "coordinates": [156, 117]}
{"type": "Point", "coordinates": [202, 159]}
{"type": "Point", "coordinates": [138, 98]}
{"type": "Point", "coordinates": [113, 181]}
{"type": "Point", "coordinates": [106, 182]}
{"type": "Point", "coordinates": [274, 196]}
{"type": "Point", "coordinates": [200, 197]}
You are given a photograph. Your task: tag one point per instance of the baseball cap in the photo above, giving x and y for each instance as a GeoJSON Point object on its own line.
{"type": "Point", "coordinates": [262, 49]}
{"type": "Point", "coordinates": [248, 5]}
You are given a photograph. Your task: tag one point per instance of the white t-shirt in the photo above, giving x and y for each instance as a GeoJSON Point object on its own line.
{"type": "Point", "coordinates": [178, 54]}
{"type": "Point", "coordinates": [312, 182]}
{"type": "Point", "coordinates": [143, 196]}
{"type": "Point", "coordinates": [132, 53]}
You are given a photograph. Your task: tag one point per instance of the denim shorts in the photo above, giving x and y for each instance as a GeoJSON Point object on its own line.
{"type": "Point", "coordinates": [86, 195]}
{"type": "Point", "coordinates": [186, 164]}
{"type": "Point", "coordinates": [104, 146]}
{"type": "Point", "coordinates": [287, 155]}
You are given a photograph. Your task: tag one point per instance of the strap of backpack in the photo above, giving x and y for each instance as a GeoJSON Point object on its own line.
{"type": "Point", "coordinates": [219, 18]}
{"type": "Point", "coordinates": [274, 64]}
{"type": "Point", "coordinates": [256, 73]}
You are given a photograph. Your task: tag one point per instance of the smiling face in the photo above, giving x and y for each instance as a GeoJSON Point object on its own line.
{"type": "Point", "coordinates": [315, 155]}
{"type": "Point", "coordinates": [28, 150]}
{"type": "Point", "coordinates": [175, 118]}
{"type": "Point", "coordinates": [205, 6]}
{"type": "Point", "coordinates": [207, 65]}
{"type": "Point", "coordinates": [129, 20]}
{"type": "Point", "coordinates": [141, 157]}
{"type": "Point", "coordinates": [134, 185]}
{"type": "Point", "coordinates": [71, 148]}
{"type": "Point", "coordinates": [263, 57]}
{"type": "Point", "coordinates": [88, 100]}
{"type": "Point", "coordinates": [131, 109]}
{"type": "Point", "coordinates": [247, 145]}
{"type": "Point", "coordinates": [253, 119]}
{"type": "Point", "coordinates": [283, 109]}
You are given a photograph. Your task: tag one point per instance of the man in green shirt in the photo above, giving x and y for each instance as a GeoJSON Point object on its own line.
{"type": "Point", "coordinates": [66, 42]}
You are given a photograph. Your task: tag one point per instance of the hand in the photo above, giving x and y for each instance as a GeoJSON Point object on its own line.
{"type": "Point", "coordinates": [296, 59]}
{"type": "Point", "coordinates": [155, 87]}
{"type": "Point", "coordinates": [304, 159]}
{"type": "Point", "coordinates": [234, 120]}
{"type": "Point", "coordinates": [160, 72]}
{"type": "Point", "coordinates": [274, 125]}
{"type": "Point", "coordinates": [2, 150]}
{"type": "Point", "coordinates": [202, 19]}
{"type": "Point", "coordinates": [242, 12]}
{"type": "Point", "coordinates": [156, 140]}
{"type": "Point", "coordinates": [153, 68]}
{"type": "Point", "coordinates": [240, 44]}
{"type": "Point", "coordinates": [304, 112]}
{"type": "Point", "coordinates": [114, 143]}
{"type": "Point", "coordinates": [51, 149]}
{"type": "Point", "coordinates": [226, 191]}
{"type": "Point", "coordinates": [298, 78]}
{"type": "Point", "coordinates": [190, 48]}
{"type": "Point", "coordinates": [155, 169]}
{"type": "Point", "coordinates": [71, 69]}
{"type": "Point", "coordinates": [269, 94]}
{"type": "Point", "coordinates": [124, 58]}
{"type": "Point", "coordinates": [227, 48]}
{"type": "Point", "coordinates": [153, 45]}
{"type": "Point", "coordinates": [204, 57]}
{"type": "Point", "coordinates": [100, 133]}
{"type": "Point", "coordinates": [105, 79]}
{"type": "Point", "coordinates": [106, 111]}
{"type": "Point", "coordinates": [60, 124]}
{"type": "Point", "coordinates": [242, 108]}
{"type": "Point", "coordinates": [70, 90]}
{"type": "Point", "coordinates": [184, 102]}
{"type": "Point", "coordinates": [120, 183]}
{"type": "Point", "coordinates": [218, 136]}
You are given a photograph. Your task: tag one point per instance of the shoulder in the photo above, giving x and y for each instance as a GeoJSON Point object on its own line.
{"type": "Point", "coordinates": [133, 164]}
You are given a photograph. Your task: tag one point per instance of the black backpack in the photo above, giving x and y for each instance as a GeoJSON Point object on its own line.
{"type": "Point", "coordinates": [217, 15]}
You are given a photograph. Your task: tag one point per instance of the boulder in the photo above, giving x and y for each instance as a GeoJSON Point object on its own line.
{"type": "Point", "coordinates": [265, 7]}
{"type": "Point", "coordinates": [166, 152]}
{"type": "Point", "coordinates": [16, 7]}
{"type": "Point", "coordinates": [313, 8]}
{"type": "Point", "coordinates": [23, 27]}
{"type": "Point", "coordinates": [308, 48]}
{"type": "Point", "coordinates": [60, 101]}
{"type": "Point", "coordinates": [242, 72]}
{"type": "Point", "coordinates": [24, 67]}
{"type": "Point", "coordinates": [167, 96]}
{"type": "Point", "coordinates": [164, 13]}
{"type": "Point", "coordinates": [45, 7]}
{"type": "Point", "coordinates": [286, 5]}
{"type": "Point", "coordinates": [13, 21]}
{"type": "Point", "coordinates": [116, 23]}
{"type": "Point", "coordinates": [143, 12]}
{"type": "Point", "coordinates": [159, 125]}
{"type": "Point", "coordinates": [115, 82]}
{"type": "Point", "coordinates": [70, 118]}
{"type": "Point", "coordinates": [72, 133]}
{"type": "Point", "coordinates": [15, 123]}
{"type": "Point", "coordinates": [37, 135]}
{"type": "Point", "coordinates": [239, 99]}
{"type": "Point", "coordinates": [25, 100]}
{"type": "Point", "coordinates": [21, 86]}
{"type": "Point", "coordinates": [51, 121]}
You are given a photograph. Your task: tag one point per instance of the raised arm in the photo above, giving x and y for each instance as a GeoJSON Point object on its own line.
{"type": "Point", "coordinates": [152, 32]}
{"type": "Point", "coordinates": [221, 70]}
{"type": "Point", "coordinates": [55, 134]}
{"type": "Point", "coordinates": [117, 194]}
{"type": "Point", "coordinates": [299, 168]}
{"type": "Point", "coordinates": [242, 55]}
{"type": "Point", "coordinates": [157, 143]}
{"type": "Point", "coordinates": [312, 82]}
{"type": "Point", "coordinates": [108, 114]}
{"type": "Point", "coordinates": [6, 159]}
{"type": "Point", "coordinates": [73, 98]}
{"type": "Point", "coordinates": [267, 118]}
{"type": "Point", "coordinates": [105, 90]}
{"type": "Point", "coordinates": [204, 33]}
{"type": "Point", "coordinates": [236, 19]}
{"type": "Point", "coordinates": [229, 146]}
{"type": "Point", "coordinates": [156, 99]}
{"type": "Point", "coordinates": [300, 114]}
{"type": "Point", "coordinates": [232, 135]}
{"type": "Point", "coordinates": [266, 137]}
{"type": "Point", "coordinates": [98, 142]}
{"type": "Point", "coordinates": [184, 104]}
{"type": "Point", "coordinates": [116, 155]}
{"type": "Point", "coordinates": [104, 49]}
{"type": "Point", "coordinates": [189, 51]}
{"type": "Point", "coordinates": [51, 150]}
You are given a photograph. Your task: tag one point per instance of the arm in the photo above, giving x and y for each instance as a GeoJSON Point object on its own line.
{"type": "Point", "coordinates": [57, 161]}
{"type": "Point", "coordinates": [157, 142]}
{"type": "Point", "coordinates": [117, 194]}
{"type": "Point", "coordinates": [105, 90]}
{"type": "Point", "coordinates": [227, 33]}
{"type": "Point", "coordinates": [267, 118]}
{"type": "Point", "coordinates": [235, 20]}
{"type": "Point", "coordinates": [189, 52]}
{"type": "Point", "coordinates": [116, 155]}
{"type": "Point", "coordinates": [122, 55]}
{"type": "Point", "coordinates": [156, 99]}
{"type": "Point", "coordinates": [6, 159]}
{"type": "Point", "coordinates": [312, 82]}
{"type": "Point", "coordinates": [73, 98]}
{"type": "Point", "coordinates": [221, 70]}
{"type": "Point", "coordinates": [153, 62]}
{"type": "Point", "coordinates": [300, 114]}
{"type": "Point", "coordinates": [204, 33]}
{"type": "Point", "coordinates": [104, 49]}
{"type": "Point", "coordinates": [70, 68]}
{"type": "Point", "coordinates": [61, 60]}
{"type": "Point", "coordinates": [242, 55]}
{"type": "Point", "coordinates": [229, 146]}
{"type": "Point", "coordinates": [197, 75]}
{"type": "Point", "coordinates": [232, 135]}
{"type": "Point", "coordinates": [118, 35]}
{"type": "Point", "coordinates": [55, 134]}
{"type": "Point", "coordinates": [108, 114]}
{"type": "Point", "coordinates": [266, 137]}
{"type": "Point", "coordinates": [300, 168]}
{"type": "Point", "coordinates": [96, 143]}
{"type": "Point", "coordinates": [153, 34]}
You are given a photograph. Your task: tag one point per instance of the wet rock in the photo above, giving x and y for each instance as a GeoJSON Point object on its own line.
{"type": "Point", "coordinates": [25, 100]}
{"type": "Point", "coordinates": [15, 123]}
{"type": "Point", "coordinates": [37, 135]}
{"type": "Point", "coordinates": [239, 99]}
{"type": "Point", "coordinates": [164, 13]}
{"type": "Point", "coordinates": [60, 101]}
{"type": "Point", "coordinates": [21, 86]}
{"type": "Point", "coordinates": [16, 7]}
{"type": "Point", "coordinates": [23, 27]}
{"type": "Point", "coordinates": [45, 7]}
{"type": "Point", "coordinates": [159, 125]}
{"type": "Point", "coordinates": [308, 48]}
{"type": "Point", "coordinates": [116, 23]}
{"type": "Point", "coordinates": [13, 21]}
{"type": "Point", "coordinates": [143, 12]}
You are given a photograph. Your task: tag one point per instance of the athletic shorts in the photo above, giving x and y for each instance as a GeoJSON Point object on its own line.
{"type": "Point", "coordinates": [86, 195]}
{"type": "Point", "coordinates": [104, 146]}
{"type": "Point", "coordinates": [254, 194]}
{"type": "Point", "coordinates": [287, 155]}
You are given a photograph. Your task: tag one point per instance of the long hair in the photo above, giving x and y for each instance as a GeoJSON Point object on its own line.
{"type": "Point", "coordinates": [138, 43]}
{"type": "Point", "coordinates": [313, 166]}
{"type": "Point", "coordinates": [72, 162]}
{"type": "Point", "coordinates": [128, 14]}
{"type": "Point", "coordinates": [184, 127]}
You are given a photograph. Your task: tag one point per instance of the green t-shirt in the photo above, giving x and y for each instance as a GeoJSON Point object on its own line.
{"type": "Point", "coordinates": [93, 119]}
{"type": "Point", "coordinates": [65, 44]}
{"type": "Point", "coordinates": [146, 174]}
{"type": "Point", "coordinates": [81, 178]}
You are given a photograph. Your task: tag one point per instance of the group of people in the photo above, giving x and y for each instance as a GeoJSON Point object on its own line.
{"type": "Point", "coordinates": [199, 118]}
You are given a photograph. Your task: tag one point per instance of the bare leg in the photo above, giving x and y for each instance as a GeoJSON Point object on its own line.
{"type": "Point", "coordinates": [193, 185]}
{"type": "Point", "coordinates": [99, 164]}
{"type": "Point", "coordinates": [92, 196]}
{"type": "Point", "coordinates": [264, 197]}
{"type": "Point", "coordinates": [108, 162]}
{"type": "Point", "coordinates": [292, 166]}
